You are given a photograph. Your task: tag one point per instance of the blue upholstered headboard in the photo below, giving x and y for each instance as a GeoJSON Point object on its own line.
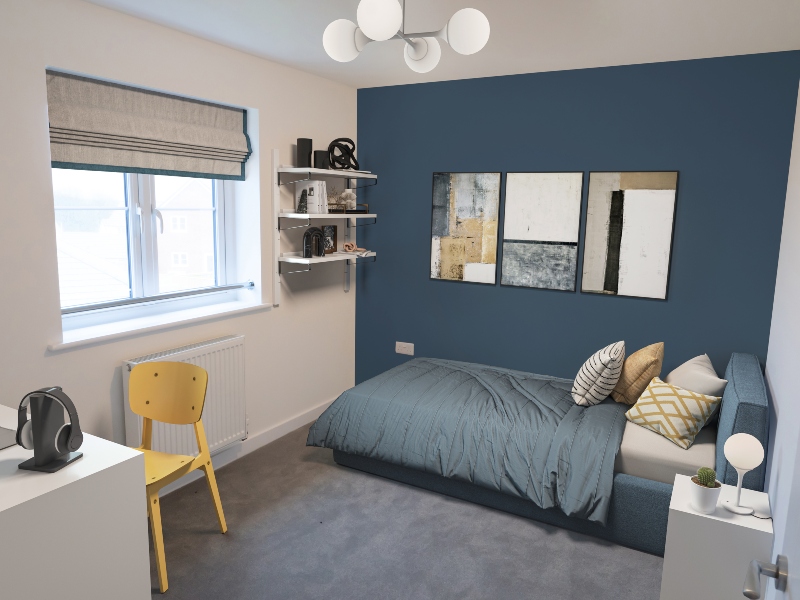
{"type": "Point", "coordinates": [744, 409]}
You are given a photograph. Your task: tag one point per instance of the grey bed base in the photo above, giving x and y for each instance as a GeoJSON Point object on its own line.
{"type": "Point", "coordinates": [637, 516]}
{"type": "Point", "coordinates": [639, 509]}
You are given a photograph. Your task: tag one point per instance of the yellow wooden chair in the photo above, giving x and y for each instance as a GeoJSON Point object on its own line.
{"type": "Point", "coordinates": [170, 392]}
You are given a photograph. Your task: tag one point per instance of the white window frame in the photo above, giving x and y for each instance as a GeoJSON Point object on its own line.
{"type": "Point", "coordinates": [144, 218]}
{"type": "Point", "coordinates": [144, 250]}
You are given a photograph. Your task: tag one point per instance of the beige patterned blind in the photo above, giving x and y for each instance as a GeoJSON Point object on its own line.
{"type": "Point", "coordinates": [97, 125]}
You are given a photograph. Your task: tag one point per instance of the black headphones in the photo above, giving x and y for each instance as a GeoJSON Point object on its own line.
{"type": "Point", "coordinates": [69, 436]}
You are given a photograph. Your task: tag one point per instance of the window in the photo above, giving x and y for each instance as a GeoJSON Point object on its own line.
{"type": "Point", "coordinates": [112, 244]}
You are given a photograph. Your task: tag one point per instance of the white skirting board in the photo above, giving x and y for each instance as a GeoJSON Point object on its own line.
{"type": "Point", "coordinates": [253, 442]}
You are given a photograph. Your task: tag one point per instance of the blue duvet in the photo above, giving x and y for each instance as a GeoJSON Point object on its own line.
{"type": "Point", "coordinates": [514, 432]}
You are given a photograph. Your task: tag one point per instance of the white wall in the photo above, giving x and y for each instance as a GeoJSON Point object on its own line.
{"type": "Point", "coordinates": [286, 379]}
{"type": "Point", "coordinates": [783, 358]}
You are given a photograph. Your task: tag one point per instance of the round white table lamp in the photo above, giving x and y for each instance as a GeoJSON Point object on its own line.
{"type": "Point", "coordinates": [745, 453]}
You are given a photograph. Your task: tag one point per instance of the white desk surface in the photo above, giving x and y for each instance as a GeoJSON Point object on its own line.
{"type": "Point", "coordinates": [757, 500]}
{"type": "Point", "coordinates": [17, 486]}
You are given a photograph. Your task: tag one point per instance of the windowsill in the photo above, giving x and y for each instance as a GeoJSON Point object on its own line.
{"type": "Point", "coordinates": [87, 336]}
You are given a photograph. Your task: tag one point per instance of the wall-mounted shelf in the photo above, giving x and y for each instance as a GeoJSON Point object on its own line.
{"type": "Point", "coordinates": [296, 174]}
{"type": "Point", "coordinates": [285, 215]}
{"type": "Point", "coordinates": [296, 217]}
{"type": "Point", "coordinates": [298, 259]}
{"type": "Point", "coordinates": [285, 220]}
{"type": "Point", "coordinates": [295, 258]}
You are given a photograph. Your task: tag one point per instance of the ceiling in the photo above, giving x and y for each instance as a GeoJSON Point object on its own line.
{"type": "Point", "coordinates": [527, 35]}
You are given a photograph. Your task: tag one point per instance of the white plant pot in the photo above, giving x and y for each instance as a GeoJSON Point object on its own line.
{"type": "Point", "coordinates": [704, 499]}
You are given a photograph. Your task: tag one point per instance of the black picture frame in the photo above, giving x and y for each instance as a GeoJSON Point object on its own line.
{"type": "Point", "coordinates": [501, 241]}
{"type": "Point", "coordinates": [329, 238]}
{"type": "Point", "coordinates": [671, 240]}
{"type": "Point", "coordinates": [433, 207]}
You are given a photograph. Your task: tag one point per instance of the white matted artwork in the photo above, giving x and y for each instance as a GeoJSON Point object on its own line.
{"type": "Point", "coordinates": [464, 226]}
{"type": "Point", "coordinates": [628, 242]}
{"type": "Point", "coordinates": [540, 230]}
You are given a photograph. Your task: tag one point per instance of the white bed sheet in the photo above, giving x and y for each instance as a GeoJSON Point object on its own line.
{"type": "Point", "coordinates": [646, 454]}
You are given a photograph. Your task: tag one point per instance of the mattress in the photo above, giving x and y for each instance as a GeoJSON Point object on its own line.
{"type": "Point", "coordinates": [644, 453]}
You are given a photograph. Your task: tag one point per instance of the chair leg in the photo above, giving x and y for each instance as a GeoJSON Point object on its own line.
{"type": "Point", "coordinates": [154, 512]}
{"type": "Point", "coordinates": [208, 469]}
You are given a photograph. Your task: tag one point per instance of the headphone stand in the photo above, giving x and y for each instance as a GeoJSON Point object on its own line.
{"type": "Point", "coordinates": [53, 466]}
{"type": "Point", "coordinates": [47, 418]}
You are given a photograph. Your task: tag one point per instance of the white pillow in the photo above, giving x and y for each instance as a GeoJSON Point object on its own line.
{"type": "Point", "coordinates": [599, 375]}
{"type": "Point", "coordinates": [698, 376]}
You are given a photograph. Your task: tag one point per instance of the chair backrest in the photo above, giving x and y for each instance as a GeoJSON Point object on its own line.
{"type": "Point", "coordinates": [170, 392]}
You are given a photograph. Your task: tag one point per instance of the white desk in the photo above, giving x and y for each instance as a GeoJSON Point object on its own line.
{"type": "Point", "coordinates": [80, 533]}
{"type": "Point", "coordinates": [707, 555]}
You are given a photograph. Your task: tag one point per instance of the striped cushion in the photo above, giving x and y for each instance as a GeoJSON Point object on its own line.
{"type": "Point", "coordinates": [599, 375]}
{"type": "Point", "coordinates": [673, 412]}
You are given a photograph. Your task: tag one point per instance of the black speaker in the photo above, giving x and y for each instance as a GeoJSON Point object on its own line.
{"type": "Point", "coordinates": [322, 159]}
{"type": "Point", "coordinates": [304, 147]}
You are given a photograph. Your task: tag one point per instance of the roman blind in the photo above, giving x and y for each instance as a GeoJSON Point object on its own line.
{"type": "Point", "coordinates": [96, 125]}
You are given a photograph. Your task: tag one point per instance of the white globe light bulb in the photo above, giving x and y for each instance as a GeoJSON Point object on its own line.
{"type": "Point", "coordinates": [379, 19]}
{"type": "Point", "coordinates": [340, 40]}
{"type": "Point", "coordinates": [424, 55]}
{"type": "Point", "coordinates": [467, 31]}
{"type": "Point", "coordinates": [744, 451]}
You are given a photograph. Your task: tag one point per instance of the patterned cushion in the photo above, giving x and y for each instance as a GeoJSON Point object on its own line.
{"type": "Point", "coordinates": [638, 371]}
{"type": "Point", "coordinates": [599, 375]}
{"type": "Point", "coordinates": [673, 412]}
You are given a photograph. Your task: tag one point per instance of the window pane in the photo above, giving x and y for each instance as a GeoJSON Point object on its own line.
{"type": "Point", "coordinates": [93, 261]}
{"type": "Point", "coordinates": [88, 188]}
{"type": "Point", "coordinates": [187, 207]}
{"type": "Point", "coordinates": [183, 192]}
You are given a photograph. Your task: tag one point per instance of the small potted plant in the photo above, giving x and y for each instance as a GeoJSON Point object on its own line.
{"type": "Point", "coordinates": [705, 491]}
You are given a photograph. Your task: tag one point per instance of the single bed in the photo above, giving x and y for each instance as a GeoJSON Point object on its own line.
{"type": "Point", "coordinates": [583, 470]}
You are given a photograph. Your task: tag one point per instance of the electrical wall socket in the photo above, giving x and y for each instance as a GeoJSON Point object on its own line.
{"type": "Point", "coordinates": [404, 348]}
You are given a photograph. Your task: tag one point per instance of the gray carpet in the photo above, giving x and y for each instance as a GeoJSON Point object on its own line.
{"type": "Point", "coordinates": [301, 526]}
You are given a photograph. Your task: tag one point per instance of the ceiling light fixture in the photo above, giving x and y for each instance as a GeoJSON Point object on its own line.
{"type": "Point", "coordinates": [467, 32]}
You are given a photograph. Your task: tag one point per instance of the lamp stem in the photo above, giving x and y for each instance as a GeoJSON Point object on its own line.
{"type": "Point", "coordinates": [739, 487]}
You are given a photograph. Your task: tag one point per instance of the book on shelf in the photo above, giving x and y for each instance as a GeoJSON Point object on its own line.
{"type": "Point", "coordinates": [316, 196]}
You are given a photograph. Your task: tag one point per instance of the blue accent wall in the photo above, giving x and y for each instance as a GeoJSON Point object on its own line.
{"type": "Point", "coordinates": [725, 124]}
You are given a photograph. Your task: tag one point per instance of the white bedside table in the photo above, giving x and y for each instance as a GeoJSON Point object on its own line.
{"type": "Point", "coordinates": [707, 555]}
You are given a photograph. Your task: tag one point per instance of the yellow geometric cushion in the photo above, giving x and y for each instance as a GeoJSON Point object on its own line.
{"type": "Point", "coordinates": [638, 371]}
{"type": "Point", "coordinates": [675, 413]}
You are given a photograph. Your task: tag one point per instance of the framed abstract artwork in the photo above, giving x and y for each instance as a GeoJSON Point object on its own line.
{"type": "Point", "coordinates": [464, 227]}
{"type": "Point", "coordinates": [630, 221]}
{"type": "Point", "coordinates": [541, 226]}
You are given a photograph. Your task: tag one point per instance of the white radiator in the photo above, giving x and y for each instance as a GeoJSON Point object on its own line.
{"type": "Point", "coordinates": [224, 413]}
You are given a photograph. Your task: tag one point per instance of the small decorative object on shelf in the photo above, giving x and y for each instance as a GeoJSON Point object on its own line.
{"type": "Point", "coordinates": [302, 204]}
{"type": "Point", "coordinates": [342, 153]}
{"type": "Point", "coordinates": [352, 248]}
{"type": "Point", "coordinates": [329, 238]}
{"type": "Point", "coordinates": [313, 243]}
{"type": "Point", "coordinates": [349, 198]}
{"type": "Point", "coordinates": [304, 146]}
{"type": "Point", "coordinates": [705, 491]}
{"type": "Point", "coordinates": [322, 159]}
